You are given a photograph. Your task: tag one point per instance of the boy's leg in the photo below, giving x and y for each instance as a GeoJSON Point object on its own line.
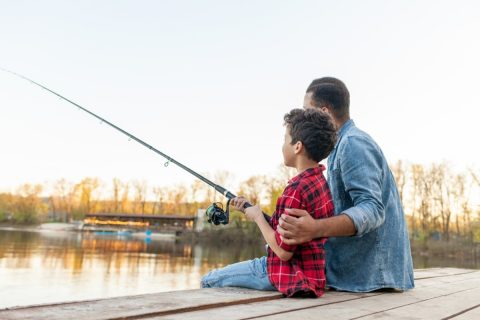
{"type": "Point", "coordinates": [247, 274]}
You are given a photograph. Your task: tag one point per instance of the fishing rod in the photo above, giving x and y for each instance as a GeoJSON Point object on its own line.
{"type": "Point", "coordinates": [215, 213]}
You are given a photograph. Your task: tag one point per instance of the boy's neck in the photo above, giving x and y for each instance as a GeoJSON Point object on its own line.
{"type": "Point", "coordinates": [304, 164]}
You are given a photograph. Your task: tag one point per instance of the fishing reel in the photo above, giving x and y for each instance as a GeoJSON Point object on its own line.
{"type": "Point", "coordinates": [216, 215]}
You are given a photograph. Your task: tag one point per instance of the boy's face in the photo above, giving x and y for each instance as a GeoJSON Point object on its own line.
{"type": "Point", "coordinates": [288, 149]}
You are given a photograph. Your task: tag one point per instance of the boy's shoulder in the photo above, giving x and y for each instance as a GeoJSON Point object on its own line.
{"type": "Point", "coordinates": [311, 182]}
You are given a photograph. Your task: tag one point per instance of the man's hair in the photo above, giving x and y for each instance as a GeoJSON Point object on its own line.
{"type": "Point", "coordinates": [332, 93]}
{"type": "Point", "coordinates": [315, 129]}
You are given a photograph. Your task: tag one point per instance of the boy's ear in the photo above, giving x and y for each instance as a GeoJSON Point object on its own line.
{"type": "Point", "coordinates": [298, 147]}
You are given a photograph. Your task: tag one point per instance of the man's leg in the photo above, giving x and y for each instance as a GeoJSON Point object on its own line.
{"type": "Point", "coordinates": [247, 274]}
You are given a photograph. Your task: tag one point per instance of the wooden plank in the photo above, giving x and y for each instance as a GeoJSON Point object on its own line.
{"type": "Point", "coordinates": [439, 272]}
{"type": "Point", "coordinates": [452, 278]}
{"type": "Point", "coordinates": [287, 308]}
{"type": "Point", "coordinates": [473, 313]}
{"type": "Point", "coordinates": [261, 309]}
{"type": "Point", "coordinates": [141, 305]}
{"type": "Point", "coordinates": [443, 307]}
{"type": "Point", "coordinates": [355, 309]}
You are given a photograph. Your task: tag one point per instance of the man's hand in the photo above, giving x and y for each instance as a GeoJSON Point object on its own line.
{"type": "Point", "coordinates": [297, 227]}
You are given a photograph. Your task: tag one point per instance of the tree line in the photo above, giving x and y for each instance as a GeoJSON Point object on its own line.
{"type": "Point", "coordinates": [69, 201]}
{"type": "Point", "coordinates": [438, 201]}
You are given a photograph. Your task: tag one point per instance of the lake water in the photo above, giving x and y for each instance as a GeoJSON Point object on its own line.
{"type": "Point", "coordinates": [53, 266]}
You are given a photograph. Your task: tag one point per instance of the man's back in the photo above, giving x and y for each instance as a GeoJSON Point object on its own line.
{"type": "Point", "coordinates": [363, 187]}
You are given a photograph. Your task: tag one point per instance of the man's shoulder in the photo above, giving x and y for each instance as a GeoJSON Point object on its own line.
{"type": "Point", "coordinates": [356, 132]}
{"type": "Point", "coordinates": [356, 136]}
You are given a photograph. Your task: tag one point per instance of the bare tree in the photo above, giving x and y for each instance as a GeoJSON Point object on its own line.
{"type": "Point", "coordinates": [28, 207]}
{"type": "Point", "coordinates": [417, 177]}
{"type": "Point", "coordinates": [140, 188]}
{"type": "Point", "coordinates": [125, 200]}
{"type": "Point", "coordinates": [442, 188]}
{"type": "Point", "coordinates": [273, 190]}
{"type": "Point", "coordinates": [160, 195]}
{"type": "Point", "coordinates": [177, 197]}
{"type": "Point", "coordinates": [399, 171]}
{"type": "Point", "coordinates": [116, 190]}
{"type": "Point", "coordinates": [475, 177]}
{"type": "Point", "coordinates": [253, 188]}
{"type": "Point", "coordinates": [87, 190]}
{"type": "Point", "coordinates": [64, 193]}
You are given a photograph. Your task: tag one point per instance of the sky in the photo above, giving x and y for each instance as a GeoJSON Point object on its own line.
{"type": "Point", "coordinates": [208, 83]}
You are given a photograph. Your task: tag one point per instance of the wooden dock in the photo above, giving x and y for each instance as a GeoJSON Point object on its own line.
{"type": "Point", "coordinates": [440, 293]}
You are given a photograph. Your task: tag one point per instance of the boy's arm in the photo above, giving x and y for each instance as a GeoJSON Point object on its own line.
{"type": "Point", "coordinates": [269, 236]}
{"type": "Point", "coordinates": [254, 213]}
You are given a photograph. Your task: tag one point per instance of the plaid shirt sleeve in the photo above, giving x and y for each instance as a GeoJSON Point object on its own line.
{"type": "Point", "coordinates": [291, 199]}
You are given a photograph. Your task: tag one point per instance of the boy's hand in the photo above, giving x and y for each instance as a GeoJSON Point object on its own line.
{"type": "Point", "coordinates": [238, 203]}
{"type": "Point", "coordinates": [253, 213]}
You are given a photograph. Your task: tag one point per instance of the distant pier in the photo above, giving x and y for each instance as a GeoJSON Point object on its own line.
{"type": "Point", "coordinates": [139, 222]}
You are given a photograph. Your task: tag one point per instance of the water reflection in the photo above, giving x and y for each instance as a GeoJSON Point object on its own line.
{"type": "Point", "coordinates": [50, 266]}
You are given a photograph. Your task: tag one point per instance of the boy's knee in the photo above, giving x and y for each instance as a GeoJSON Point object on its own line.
{"type": "Point", "coordinates": [204, 282]}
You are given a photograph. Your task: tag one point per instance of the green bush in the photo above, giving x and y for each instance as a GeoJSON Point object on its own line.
{"type": "Point", "coordinates": [25, 217]}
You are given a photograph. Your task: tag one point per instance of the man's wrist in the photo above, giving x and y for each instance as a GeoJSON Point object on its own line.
{"type": "Point", "coordinates": [336, 226]}
{"type": "Point", "coordinates": [319, 229]}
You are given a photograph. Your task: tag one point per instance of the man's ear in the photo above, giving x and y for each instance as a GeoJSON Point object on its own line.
{"type": "Point", "coordinates": [326, 110]}
{"type": "Point", "coordinates": [298, 147]}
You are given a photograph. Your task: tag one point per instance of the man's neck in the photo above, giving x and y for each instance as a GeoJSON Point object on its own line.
{"type": "Point", "coordinates": [339, 123]}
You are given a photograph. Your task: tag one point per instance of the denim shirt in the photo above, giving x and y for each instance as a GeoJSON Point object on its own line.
{"type": "Point", "coordinates": [363, 188]}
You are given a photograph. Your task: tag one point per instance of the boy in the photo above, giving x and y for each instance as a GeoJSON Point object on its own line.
{"type": "Point", "coordinates": [292, 270]}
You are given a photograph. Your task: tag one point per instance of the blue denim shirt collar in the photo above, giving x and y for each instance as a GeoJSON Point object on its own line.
{"type": "Point", "coordinates": [340, 133]}
{"type": "Point", "coordinates": [345, 127]}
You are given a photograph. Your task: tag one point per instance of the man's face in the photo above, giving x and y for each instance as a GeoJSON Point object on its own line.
{"type": "Point", "coordinates": [308, 101]}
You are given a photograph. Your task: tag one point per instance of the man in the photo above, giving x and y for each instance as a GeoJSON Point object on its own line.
{"type": "Point", "coordinates": [368, 248]}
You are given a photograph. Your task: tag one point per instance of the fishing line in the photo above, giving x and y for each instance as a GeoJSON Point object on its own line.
{"type": "Point", "coordinates": [215, 212]}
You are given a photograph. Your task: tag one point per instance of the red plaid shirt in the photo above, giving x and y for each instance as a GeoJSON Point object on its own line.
{"type": "Point", "coordinates": [304, 273]}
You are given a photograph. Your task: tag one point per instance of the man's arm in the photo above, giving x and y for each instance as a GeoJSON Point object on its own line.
{"type": "Point", "coordinates": [299, 227]}
{"type": "Point", "coordinates": [362, 174]}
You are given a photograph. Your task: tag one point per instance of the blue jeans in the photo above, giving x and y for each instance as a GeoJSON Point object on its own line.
{"type": "Point", "coordinates": [247, 274]}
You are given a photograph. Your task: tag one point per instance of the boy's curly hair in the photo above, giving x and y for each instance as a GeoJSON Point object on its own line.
{"type": "Point", "coordinates": [315, 129]}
